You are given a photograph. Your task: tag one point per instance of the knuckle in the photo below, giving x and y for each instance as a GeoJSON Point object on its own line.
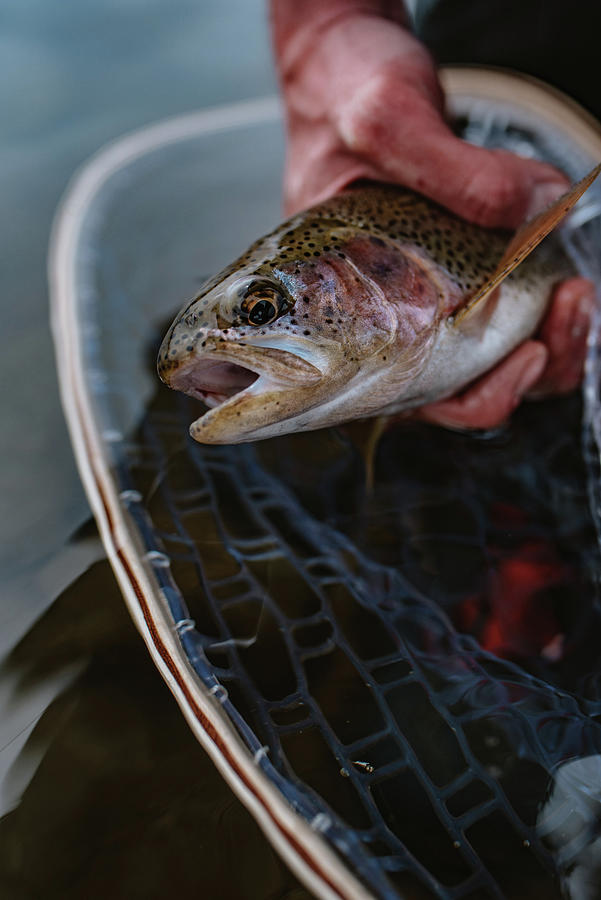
{"type": "Point", "coordinates": [368, 117]}
{"type": "Point", "coordinates": [361, 122]}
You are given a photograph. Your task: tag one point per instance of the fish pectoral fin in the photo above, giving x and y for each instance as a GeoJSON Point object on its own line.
{"type": "Point", "coordinates": [524, 242]}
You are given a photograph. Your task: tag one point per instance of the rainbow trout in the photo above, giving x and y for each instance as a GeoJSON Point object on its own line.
{"type": "Point", "coordinates": [372, 303]}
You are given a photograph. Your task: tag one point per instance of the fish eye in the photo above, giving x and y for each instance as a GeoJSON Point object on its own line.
{"type": "Point", "coordinates": [262, 306]}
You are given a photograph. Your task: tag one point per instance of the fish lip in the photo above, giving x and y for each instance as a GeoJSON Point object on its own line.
{"type": "Point", "coordinates": [271, 367]}
{"type": "Point", "coordinates": [283, 365]}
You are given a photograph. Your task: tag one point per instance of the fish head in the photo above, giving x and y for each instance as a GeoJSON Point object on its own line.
{"type": "Point", "coordinates": [276, 336]}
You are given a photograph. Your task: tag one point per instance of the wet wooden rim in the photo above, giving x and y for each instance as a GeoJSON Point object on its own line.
{"type": "Point", "coordinates": [302, 847]}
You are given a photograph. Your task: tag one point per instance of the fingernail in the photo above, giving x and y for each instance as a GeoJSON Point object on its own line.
{"type": "Point", "coordinates": [530, 373]}
{"type": "Point", "coordinates": [543, 194]}
{"type": "Point", "coordinates": [582, 315]}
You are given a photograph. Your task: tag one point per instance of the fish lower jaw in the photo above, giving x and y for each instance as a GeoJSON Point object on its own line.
{"type": "Point", "coordinates": [215, 400]}
{"type": "Point", "coordinates": [285, 411]}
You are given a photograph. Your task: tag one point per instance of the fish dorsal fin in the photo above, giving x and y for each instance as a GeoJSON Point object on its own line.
{"type": "Point", "coordinates": [525, 240]}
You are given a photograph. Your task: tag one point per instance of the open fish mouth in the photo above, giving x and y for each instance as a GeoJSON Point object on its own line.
{"type": "Point", "coordinates": [213, 382]}
{"type": "Point", "coordinates": [265, 384]}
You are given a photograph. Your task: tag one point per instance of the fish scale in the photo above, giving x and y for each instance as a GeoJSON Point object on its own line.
{"type": "Point", "coordinates": [466, 251]}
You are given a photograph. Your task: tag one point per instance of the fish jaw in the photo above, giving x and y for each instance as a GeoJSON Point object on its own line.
{"type": "Point", "coordinates": [253, 391]}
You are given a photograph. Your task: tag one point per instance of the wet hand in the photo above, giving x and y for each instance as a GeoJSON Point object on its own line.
{"type": "Point", "coordinates": [363, 101]}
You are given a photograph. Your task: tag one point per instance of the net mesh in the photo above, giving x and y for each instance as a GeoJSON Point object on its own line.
{"type": "Point", "coordinates": [411, 664]}
{"type": "Point", "coordinates": [422, 757]}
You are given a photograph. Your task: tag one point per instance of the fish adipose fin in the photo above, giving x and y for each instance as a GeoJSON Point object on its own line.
{"type": "Point", "coordinates": [524, 241]}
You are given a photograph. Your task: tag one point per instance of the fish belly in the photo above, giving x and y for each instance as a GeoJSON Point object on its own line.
{"type": "Point", "coordinates": [463, 352]}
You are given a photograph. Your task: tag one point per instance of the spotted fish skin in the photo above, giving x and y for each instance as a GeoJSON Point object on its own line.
{"type": "Point", "coordinates": [347, 311]}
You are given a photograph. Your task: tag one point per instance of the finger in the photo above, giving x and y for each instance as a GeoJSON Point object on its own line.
{"type": "Point", "coordinates": [400, 130]}
{"type": "Point", "coordinates": [491, 399]}
{"type": "Point", "coordinates": [564, 332]}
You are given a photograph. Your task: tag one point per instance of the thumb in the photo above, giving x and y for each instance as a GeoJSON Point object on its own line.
{"type": "Point", "coordinates": [493, 188]}
{"type": "Point", "coordinates": [414, 146]}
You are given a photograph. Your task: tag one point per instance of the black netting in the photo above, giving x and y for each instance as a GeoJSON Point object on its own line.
{"type": "Point", "coordinates": [326, 612]}
{"type": "Point", "coordinates": [415, 666]}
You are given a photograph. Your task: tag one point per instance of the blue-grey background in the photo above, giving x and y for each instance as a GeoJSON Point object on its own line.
{"type": "Point", "coordinates": [76, 74]}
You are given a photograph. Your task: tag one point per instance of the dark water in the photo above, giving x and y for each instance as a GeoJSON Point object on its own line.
{"type": "Point", "coordinates": [421, 657]}
{"type": "Point", "coordinates": [123, 803]}
{"type": "Point", "coordinates": [466, 721]}
{"type": "Point", "coordinates": [495, 529]}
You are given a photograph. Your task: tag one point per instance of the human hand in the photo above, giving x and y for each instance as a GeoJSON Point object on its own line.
{"type": "Point", "coordinates": [363, 101]}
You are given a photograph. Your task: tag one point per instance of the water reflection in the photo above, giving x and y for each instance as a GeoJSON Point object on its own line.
{"type": "Point", "coordinates": [121, 801]}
